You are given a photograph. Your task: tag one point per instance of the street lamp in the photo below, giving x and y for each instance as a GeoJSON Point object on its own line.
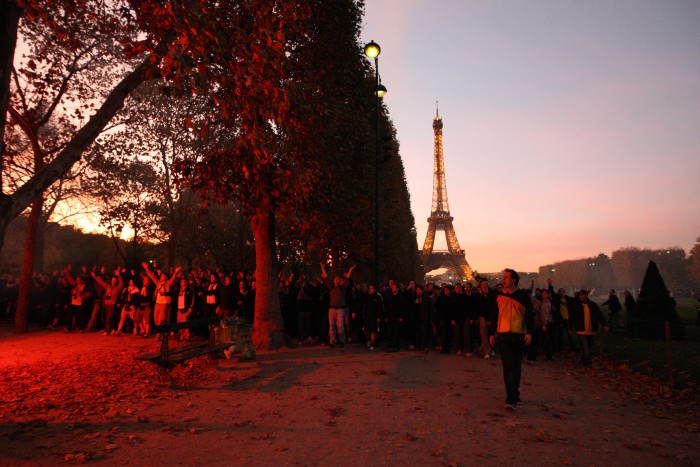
{"type": "Point", "coordinates": [372, 51]}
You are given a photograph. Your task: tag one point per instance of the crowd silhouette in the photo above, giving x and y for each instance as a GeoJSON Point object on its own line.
{"type": "Point", "coordinates": [456, 319]}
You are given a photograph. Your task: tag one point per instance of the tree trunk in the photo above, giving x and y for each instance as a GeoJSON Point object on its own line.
{"type": "Point", "coordinates": [269, 331]}
{"type": "Point", "coordinates": [25, 280]}
{"type": "Point", "coordinates": [3, 228]}
{"type": "Point", "coordinates": [40, 245]}
{"type": "Point", "coordinates": [9, 21]}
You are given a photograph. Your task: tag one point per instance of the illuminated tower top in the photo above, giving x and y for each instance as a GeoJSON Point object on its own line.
{"type": "Point", "coordinates": [440, 206]}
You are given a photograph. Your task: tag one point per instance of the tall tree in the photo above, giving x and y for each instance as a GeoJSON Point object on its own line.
{"type": "Point", "coordinates": [343, 217]}
{"type": "Point", "coordinates": [62, 17]}
{"type": "Point", "coordinates": [46, 83]}
{"type": "Point", "coordinates": [655, 306]}
{"type": "Point", "coordinates": [272, 105]}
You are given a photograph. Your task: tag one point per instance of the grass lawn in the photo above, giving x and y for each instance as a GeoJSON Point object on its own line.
{"type": "Point", "coordinates": [650, 357]}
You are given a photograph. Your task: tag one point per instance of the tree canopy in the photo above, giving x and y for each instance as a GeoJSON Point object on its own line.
{"type": "Point", "coordinates": [284, 132]}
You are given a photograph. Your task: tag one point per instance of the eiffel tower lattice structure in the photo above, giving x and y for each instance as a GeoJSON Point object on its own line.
{"type": "Point", "coordinates": [440, 219]}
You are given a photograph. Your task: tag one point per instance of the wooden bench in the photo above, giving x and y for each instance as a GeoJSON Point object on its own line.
{"type": "Point", "coordinates": [228, 335]}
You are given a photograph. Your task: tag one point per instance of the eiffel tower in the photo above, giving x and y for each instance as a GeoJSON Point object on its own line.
{"type": "Point", "coordinates": [440, 219]}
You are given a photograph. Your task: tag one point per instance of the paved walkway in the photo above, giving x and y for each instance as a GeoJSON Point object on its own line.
{"type": "Point", "coordinates": [81, 397]}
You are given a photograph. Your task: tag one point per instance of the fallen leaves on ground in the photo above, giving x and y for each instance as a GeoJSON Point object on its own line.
{"type": "Point", "coordinates": [61, 396]}
{"type": "Point", "coordinates": [631, 385]}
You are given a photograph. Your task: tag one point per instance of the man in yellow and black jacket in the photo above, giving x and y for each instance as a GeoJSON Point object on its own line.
{"type": "Point", "coordinates": [515, 319]}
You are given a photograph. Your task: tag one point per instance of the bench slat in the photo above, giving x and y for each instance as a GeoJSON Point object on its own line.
{"type": "Point", "coordinates": [171, 351]}
{"type": "Point", "coordinates": [181, 357]}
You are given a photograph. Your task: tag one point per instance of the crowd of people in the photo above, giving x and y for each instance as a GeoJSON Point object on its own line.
{"type": "Point", "coordinates": [472, 320]}
{"type": "Point", "coordinates": [450, 318]}
{"type": "Point", "coordinates": [130, 301]}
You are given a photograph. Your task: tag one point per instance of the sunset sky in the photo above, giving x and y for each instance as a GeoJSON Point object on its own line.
{"type": "Point", "coordinates": [570, 128]}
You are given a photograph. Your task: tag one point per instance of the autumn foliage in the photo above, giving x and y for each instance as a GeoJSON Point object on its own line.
{"type": "Point", "coordinates": [286, 134]}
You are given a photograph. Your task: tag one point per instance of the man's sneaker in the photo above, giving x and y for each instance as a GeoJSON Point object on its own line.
{"type": "Point", "coordinates": [511, 407]}
{"type": "Point", "coordinates": [411, 347]}
{"type": "Point", "coordinates": [371, 347]}
{"type": "Point", "coordinates": [468, 355]}
{"type": "Point", "coordinates": [459, 352]}
{"type": "Point", "coordinates": [486, 356]}
{"type": "Point", "coordinates": [369, 344]}
{"type": "Point", "coordinates": [530, 362]}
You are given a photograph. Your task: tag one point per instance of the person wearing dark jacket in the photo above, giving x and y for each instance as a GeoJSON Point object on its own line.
{"type": "Point", "coordinates": [411, 331]}
{"type": "Point", "coordinates": [586, 316]}
{"type": "Point", "coordinates": [226, 298]}
{"type": "Point", "coordinates": [487, 312]}
{"type": "Point", "coordinates": [144, 311]}
{"type": "Point", "coordinates": [460, 321]}
{"type": "Point", "coordinates": [514, 324]}
{"type": "Point", "coordinates": [184, 297]}
{"type": "Point", "coordinates": [426, 310]}
{"type": "Point", "coordinates": [305, 309]}
{"type": "Point", "coordinates": [613, 304]}
{"type": "Point", "coordinates": [394, 312]}
{"type": "Point", "coordinates": [561, 304]}
{"type": "Point", "coordinates": [372, 314]}
{"type": "Point", "coordinates": [445, 309]}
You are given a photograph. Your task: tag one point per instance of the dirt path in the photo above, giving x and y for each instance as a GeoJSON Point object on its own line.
{"type": "Point", "coordinates": [81, 398]}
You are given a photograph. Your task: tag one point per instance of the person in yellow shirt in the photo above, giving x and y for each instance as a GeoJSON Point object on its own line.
{"type": "Point", "coordinates": [563, 326]}
{"type": "Point", "coordinates": [515, 320]}
{"type": "Point", "coordinates": [586, 317]}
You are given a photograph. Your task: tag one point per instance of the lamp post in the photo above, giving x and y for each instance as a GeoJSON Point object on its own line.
{"type": "Point", "coordinates": [414, 249]}
{"type": "Point", "coordinates": [372, 51]}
